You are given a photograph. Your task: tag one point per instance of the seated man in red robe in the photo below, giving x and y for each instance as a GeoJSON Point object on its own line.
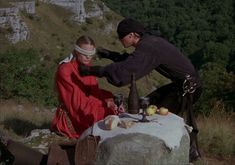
{"type": "Point", "coordinates": [82, 102]}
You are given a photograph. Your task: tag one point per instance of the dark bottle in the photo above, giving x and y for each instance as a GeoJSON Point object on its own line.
{"type": "Point", "coordinates": [133, 99]}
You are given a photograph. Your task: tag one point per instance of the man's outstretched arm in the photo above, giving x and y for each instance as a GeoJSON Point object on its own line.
{"type": "Point", "coordinates": [114, 56]}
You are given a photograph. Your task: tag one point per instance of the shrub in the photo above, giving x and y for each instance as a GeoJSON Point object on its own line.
{"type": "Point", "coordinates": [22, 75]}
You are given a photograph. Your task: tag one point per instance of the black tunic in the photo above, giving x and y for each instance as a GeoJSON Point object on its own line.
{"type": "Point", "coordinates": [152, 52]}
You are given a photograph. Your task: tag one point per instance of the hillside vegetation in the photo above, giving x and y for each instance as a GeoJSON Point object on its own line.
{"type": "Point", "coordinates": [203, 30]}
{"type": "Point", "coordinates": [32, 63]}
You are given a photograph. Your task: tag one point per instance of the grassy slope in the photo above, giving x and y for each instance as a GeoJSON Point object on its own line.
{"type": "Point", "coordinates": [53, 34]}
{"type": "Point", "coordinates": [49, 31]}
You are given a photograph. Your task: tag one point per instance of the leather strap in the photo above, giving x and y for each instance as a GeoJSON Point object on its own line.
{"type": "Point", "coordinates": [68, 120]}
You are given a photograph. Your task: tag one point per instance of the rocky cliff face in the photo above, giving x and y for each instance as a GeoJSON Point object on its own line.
{"type": "Point", "coordinates": [77, 7]}
{"type": "Point", "coordinates": [9, 18]}
{"type": "Point", "coordinates": [18, 30]}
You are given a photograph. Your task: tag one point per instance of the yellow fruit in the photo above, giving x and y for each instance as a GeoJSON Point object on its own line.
{"type": "Point", "coordinates": [163, 111]}
{"type": "Point", "coordinates": [151, 110]}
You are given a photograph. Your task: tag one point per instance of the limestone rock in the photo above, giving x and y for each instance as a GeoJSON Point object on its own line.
{"type": "Point", "coordinates": [78, 8]}
{"type": "Point", "coordinates": [10, 18]}
{"type": "Point", "coordinates": [141, 149]}
{"type": "Point", "coordinates": [162, 141]}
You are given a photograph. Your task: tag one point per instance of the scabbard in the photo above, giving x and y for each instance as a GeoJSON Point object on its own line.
{"type": "Point", "coordinates": [187, 108]}
{"type": "Point", "coordinates": [191, 121]}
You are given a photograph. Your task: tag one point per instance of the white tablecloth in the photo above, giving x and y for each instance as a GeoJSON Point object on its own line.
{"type": "Point", "coordinates": [169, 128]}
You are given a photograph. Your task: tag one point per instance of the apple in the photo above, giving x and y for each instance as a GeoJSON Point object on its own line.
{"type": "Point", "coordinates": [163, 111]}
{"type": "Point", "coordinates": [151, 110]}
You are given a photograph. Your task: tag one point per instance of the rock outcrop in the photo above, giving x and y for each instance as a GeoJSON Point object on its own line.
{"type": "Point", "coordinates": [78, 8]}
{"type": "Point", "coordinates": [162, 141]}
{"type": "Point", "coordinates": [18, 30]}
{"type": "Point", "coordinates": [10, 19]}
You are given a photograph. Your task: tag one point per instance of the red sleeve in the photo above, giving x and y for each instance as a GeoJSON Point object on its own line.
{"type": "Point", "coordinates": [74, 91]}
{"type": "Point", "coordinates": [101, 93]}
{"type": "Point", "coordinates": [76, 94]}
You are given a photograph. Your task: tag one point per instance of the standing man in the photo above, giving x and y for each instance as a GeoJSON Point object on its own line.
{"type": "Point", "coordinates": [153, 52]}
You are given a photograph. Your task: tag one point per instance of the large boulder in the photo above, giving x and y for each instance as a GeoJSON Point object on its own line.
{"type": "Point", "coordinates": [162, 141]}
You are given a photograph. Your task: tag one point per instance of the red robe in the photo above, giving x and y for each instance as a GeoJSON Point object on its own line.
{"type": "Point", "coordinates": [82, 103]}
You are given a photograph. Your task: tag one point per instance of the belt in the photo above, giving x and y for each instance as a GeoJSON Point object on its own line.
{"type": "Point", "coordinates": [68, 120]}
{"type": "Point", "coordinates": [189, 85]}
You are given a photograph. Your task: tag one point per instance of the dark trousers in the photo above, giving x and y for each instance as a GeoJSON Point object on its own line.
{"type": "Point", "coordinates": [170, 96]}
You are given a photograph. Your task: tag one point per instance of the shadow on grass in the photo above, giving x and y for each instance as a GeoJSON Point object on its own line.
{"type": "Point", "coordinates": [23, 127]}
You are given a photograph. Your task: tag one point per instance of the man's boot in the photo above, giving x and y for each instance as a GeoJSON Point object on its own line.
{"type": "Point", "coordinates": [194, 153]}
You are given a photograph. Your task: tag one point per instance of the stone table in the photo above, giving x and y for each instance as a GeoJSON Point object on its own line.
{"type": "Point", "coordinates": [163, 140]}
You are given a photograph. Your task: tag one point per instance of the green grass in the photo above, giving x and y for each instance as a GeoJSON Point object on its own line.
{"type": "Point", "coordinates": [53, 34]}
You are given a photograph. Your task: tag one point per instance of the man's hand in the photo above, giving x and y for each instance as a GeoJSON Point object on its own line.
{"type": "Point", "coordinates": [112, 55]}
{"type": "Point", "coordinates": [102, 53]}
{"type": "Point", "coordinates": [84, 70]}
{"type": "Point", "coordinates": [90, 70]}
